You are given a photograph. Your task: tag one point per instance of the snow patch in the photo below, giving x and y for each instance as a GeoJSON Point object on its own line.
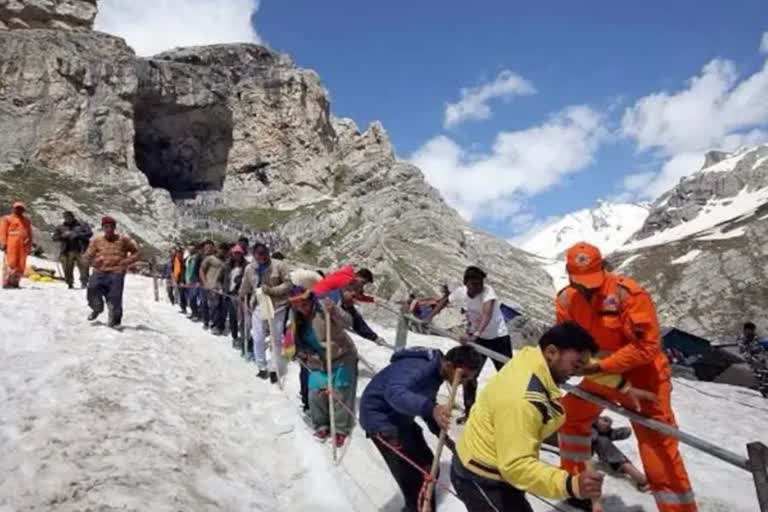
{"type": "Point", "coordinates": [687, 257]}
{"type": "Point", "coordinates": [607, 226]}
{"type": "Point", "coordinates": [720, 235]}
{"type": "Point", "coordinates": [627, 261]}
{"type": "Point", "coordinates": [716, 212]}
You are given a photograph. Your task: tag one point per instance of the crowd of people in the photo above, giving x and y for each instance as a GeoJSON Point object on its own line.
{"type": "Point", "coordinates": [605, 330]}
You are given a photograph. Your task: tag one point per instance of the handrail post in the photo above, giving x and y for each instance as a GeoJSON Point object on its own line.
{"type": "Point", "coordinates": [401, 335]}
{"type": "Point", "coordinates": [758, 464]}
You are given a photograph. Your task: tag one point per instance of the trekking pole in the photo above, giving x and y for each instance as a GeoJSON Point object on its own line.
{"type": "Point", "coordinates": [329, 373]}
{"type": "Point", "coordinates": [427, 505]}
{"type": "Point", "coordinates": [596, 505]}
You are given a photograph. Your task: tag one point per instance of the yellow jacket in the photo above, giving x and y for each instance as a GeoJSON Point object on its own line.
{"type": "Point", "coordinates": [514, 413]}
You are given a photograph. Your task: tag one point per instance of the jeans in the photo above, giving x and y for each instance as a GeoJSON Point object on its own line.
{"type": "Point", "coordinates": [109, 286]}
{"type": "Point", "coordinates": [203, 311]}
{"type": "Point", "coordinates": [259, 330]}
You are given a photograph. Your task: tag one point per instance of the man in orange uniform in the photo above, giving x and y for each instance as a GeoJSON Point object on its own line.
{"type": "Point", "coordinates": [16, 242]}
{"type": "Point", "coordinates": [621, 317]}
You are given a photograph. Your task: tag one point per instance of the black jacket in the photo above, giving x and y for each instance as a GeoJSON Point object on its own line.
{"type": "Point", "coordinates": [73, 237]}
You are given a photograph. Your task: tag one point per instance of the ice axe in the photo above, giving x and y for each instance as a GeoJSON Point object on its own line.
{"type": "Point", "coordinates": [427, 504]}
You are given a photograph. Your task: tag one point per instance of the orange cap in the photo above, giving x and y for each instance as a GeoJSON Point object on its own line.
{"type": "Point", "coordinates": [584, 264]}
{"type": "Point", "coordinates": [19, 204]}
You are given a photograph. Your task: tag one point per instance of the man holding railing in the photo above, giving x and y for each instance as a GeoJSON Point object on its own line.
{"type": "Point", "coordinates": [621, 317]}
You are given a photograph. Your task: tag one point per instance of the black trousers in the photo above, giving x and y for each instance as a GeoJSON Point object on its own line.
{"type": "Point", "coordinates": [502, 345]}
{"type": "Point", "coordinates": [183, 293]}
{"type": "Point", "coordinates": [485, 495]}
{"type": "Point", "coordinates": [410, 441]}
{"type": "Point", "coordinates": [304, 386]}
{"type": "Point", "coordinates": [232, 312]}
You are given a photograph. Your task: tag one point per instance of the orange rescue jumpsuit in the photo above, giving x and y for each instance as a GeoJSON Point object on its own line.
{"type": "Point", "coordinates": [16, 237]}
{"type": "Point", "coordinates": [622, 319]}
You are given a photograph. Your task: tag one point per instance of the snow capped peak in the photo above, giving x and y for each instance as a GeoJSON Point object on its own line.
{"type": "Point", "coordinates": [607, 225]}
{"type": "Point", "coordinates": [720, 161]}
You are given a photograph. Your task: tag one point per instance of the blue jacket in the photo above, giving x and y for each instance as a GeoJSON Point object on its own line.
{"type": "Point", "coordinates": [403, 390]}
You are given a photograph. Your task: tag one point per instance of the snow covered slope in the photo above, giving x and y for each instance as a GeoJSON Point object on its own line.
{"type": "Point", "coordinates": [165, 417]}
{"type": "Point", "coordinates": [607, 225]}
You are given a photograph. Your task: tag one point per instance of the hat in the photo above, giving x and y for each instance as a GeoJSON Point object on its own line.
{"type": "Point", "coordinates": [236, 249]}
{"type": "Point", "coordinates": [584, 264]}
{"type": "Point", "coordinates": [19, 204]}
{"type": "Point", "coordinates": [108, 220]}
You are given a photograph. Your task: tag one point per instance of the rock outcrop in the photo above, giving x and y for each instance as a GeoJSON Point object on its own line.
{"type": "Point", "coordinates": [235, 133]}
{"type": "Point", "coordinates": [703, 252]}
{"type": "Point", "coordinates": [55, 14]}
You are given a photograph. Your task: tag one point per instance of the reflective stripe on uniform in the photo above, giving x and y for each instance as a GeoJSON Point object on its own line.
{"type": "Point", "coordinates": [576, 439]}
{"type": "Point", "coordinates": [669, 497]}
{"type": "Point", "coordinates": [575, 456]}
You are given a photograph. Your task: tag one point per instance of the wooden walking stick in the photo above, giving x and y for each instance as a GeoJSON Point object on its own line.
{"type": "Point", "coordinates": [329, 373]}
{"type": "Point", "coordinates": [427, 506]}
{"type": "Point", "coordinates": [596, 505]}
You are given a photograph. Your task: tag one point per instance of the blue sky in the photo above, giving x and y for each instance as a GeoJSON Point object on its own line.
{"type": "Point", "coordinates": [564, 103]}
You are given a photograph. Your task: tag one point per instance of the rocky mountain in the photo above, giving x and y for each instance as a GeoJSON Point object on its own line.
{"type": "Point", "coordinates": [607, 225]}
{"type": "Point", "coordinates": [703, 250]}
{"type": "Point", "coordinates": [204, 141]}
{"type": "Point", "coordinates": [57, 14]}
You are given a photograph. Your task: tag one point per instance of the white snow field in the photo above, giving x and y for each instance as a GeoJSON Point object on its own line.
{"type": "Point", "coordinates": [165, 417]}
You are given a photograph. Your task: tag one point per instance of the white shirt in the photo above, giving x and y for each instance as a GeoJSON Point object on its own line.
{"type": "Point", "coordinates": [496, 327]}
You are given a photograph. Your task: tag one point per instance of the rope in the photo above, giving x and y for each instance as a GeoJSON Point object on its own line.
{"type": "Point", "coordinates": [428, 480]}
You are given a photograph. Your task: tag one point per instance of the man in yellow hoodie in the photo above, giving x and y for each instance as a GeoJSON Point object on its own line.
{"type": "Point", "coordinates": [497, 456]}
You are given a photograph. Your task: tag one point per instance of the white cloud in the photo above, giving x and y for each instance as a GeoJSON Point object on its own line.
{"type": "Point", "coordinates": [152, 26]}
{"type": "Point", "coordinates": [520, 164]}
{"type": "Point", "coordinates": [474, 106]}
{"type": "Point", "coordinates": [717, 109]}
{"type": "Point", "coordinates": [764, 43]}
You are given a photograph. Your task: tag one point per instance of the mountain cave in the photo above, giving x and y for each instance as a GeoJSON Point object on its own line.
{"type": "Point", "coordinates": [180, 148]}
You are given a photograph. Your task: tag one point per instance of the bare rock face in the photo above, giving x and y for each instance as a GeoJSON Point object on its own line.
{"type": "Point", "coordinates": [55, 14]}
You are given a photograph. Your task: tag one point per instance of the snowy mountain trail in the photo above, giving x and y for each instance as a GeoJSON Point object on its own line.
{"type": "Point", "coordinates": [165, 416]}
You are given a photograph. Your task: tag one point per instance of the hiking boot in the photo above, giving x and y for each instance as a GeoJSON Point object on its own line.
{"type": "Point", "coordinates": [273, 377]}
{"type": "Point", "coordinates": [322, 434]}
{"type": "Point", "coordinates": [70, 286]}
{"type": "Point", "coordinates": [263, 374]}
{"type": "Point", "coordinates": [205, 326]}
{"type": "Point", "coordinates": [217, 332]}
{"type": "Point", "coordinates": [93, 316]}
{"type": "Point", "coordinates": [340, 440]}
{"type": "Point", "coordinates": [580, 504]}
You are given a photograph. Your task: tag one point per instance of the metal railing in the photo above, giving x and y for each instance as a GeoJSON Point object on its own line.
{"type": "Point", "coordinates": [755, 463]}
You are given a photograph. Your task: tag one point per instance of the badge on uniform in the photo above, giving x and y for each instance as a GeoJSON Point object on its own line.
{"type": "Point", "coordinates": [610, 304]}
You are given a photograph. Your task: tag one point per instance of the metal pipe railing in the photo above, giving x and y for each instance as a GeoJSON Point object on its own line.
{"type": "Point", "coordinates": [689, 439]}
{"type": "Point", "coordinates": [756, 464]}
